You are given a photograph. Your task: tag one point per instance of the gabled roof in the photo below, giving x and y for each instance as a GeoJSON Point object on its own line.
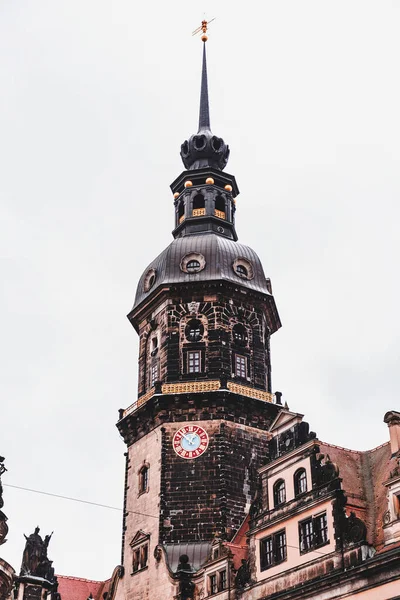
{"type": "Point", "coordinates": [363, 475]}
{"type": "Point", "coordinates": [284, 420]}
{"type": "Point", "coordinates": [139, 535]}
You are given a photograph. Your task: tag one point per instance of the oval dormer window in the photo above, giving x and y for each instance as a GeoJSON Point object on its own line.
{"type": "Point", "coordinates": [243, 268]}
{"type": "Point", "coordinates": [194, 262]}
{"type": "Point", "coordinates": [149, 280]}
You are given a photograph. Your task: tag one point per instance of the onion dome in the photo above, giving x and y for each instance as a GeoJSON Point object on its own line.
{"type": "Point", "coordinates": [204, 149]}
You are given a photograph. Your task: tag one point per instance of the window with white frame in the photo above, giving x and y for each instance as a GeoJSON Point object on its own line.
{"type": "Point", "coordinates": [154, 373]}
{"type": "Point", "coordinates": [194, 361]}
{"type": "Point", "coordinates": [240, 366]}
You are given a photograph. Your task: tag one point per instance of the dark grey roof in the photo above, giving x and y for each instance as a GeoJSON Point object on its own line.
{"type": "Point", "coordinates": [219, 253]}
{"type": "Point", "coordinates": [197, 552]}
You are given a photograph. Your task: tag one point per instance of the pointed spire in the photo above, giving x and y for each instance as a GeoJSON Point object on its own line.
{"type": "Point", "coordinates": [204, 114]}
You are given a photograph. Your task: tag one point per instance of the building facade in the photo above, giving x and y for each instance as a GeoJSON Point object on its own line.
{"type": "Point", "coordinates": [228, 494]}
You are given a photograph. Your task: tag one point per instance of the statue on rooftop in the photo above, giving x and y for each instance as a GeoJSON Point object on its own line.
{"type": "Point", "coordinates": [34, 559]}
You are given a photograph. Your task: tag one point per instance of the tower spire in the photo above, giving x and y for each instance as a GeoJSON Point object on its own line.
{"type": "Point", "coordinates": [204, 113]}
{"type": "Point", "coordinates": [204, 149]}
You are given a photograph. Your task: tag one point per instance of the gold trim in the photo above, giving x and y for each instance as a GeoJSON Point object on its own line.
{"type": "Point", "coordinates": [198, 212]}
{"type": "Point", "coordinates": [181, 219]}
{"type": "Point", "coordinates": [250, 392]}
{"type": "Point", "coordinates": [219, 213]}
{"type": "Point", "coordinates": [190, 387]}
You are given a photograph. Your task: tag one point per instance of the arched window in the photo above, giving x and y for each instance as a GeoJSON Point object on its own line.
{"type": "Point", "coordinates": [144, 479]}
{"type": "Point", "coordinates": [279, 492]}
{"type": "Point", "coordinates": [239, 333]}
{"type": "Point", "coordinates": [194, 330]}
{"type": "Point", "coordinates": [300, 482]}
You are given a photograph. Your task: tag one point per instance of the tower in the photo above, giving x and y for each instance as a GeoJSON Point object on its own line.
{"type": "Point", "coordinates": [198, 432]}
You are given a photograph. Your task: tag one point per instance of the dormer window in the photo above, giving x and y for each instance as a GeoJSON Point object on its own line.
{"type": "Point", "coordinates": [242, 271]}
{"type": "Point", "coordinates": [300, 482]}
{"type": "Point", "coordinates": [243, 268]}
{"type": "Point", "coordinates": [149, 279]}
{"type": "Point", "coordinates": [279, 492]}
{"type": "Point", "coordinates": [194, 262]}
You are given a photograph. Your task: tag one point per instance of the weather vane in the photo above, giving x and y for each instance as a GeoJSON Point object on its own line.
{"type": "Point", "coordinates": [203, 27]}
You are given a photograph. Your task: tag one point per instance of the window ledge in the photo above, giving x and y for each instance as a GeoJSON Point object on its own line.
{"type": "Point", "coordinates": [314, 547]}
{"type": "Point", "coordinates": [274, 564]}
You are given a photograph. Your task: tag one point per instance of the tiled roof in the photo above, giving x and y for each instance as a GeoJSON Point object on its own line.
{"type": "Point", "coordinates": [76, 588]}
{"type": "Point", "coordinates": [363, 475]}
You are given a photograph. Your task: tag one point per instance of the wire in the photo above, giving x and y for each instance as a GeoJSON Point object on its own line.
{"type": "Point", "coordinates": [134, 512]}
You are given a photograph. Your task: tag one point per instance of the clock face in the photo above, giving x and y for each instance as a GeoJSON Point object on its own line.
{"type": "Point", "coordinates": [190, 441]}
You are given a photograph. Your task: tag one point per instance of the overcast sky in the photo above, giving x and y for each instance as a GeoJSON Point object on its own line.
{"type": "Point", "coordinates": [95, 99]}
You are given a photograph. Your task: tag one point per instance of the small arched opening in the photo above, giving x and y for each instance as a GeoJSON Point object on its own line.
{"type": "Point", "coordinates": [219, 207]}
{"type": "Point", "coordinates": [181, 211]}
{"type": "Point", "coordinates": [199, 206]}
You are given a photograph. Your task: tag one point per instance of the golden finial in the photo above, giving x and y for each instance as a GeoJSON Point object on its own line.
{"type": "Point", "coordinates": [203, 27]}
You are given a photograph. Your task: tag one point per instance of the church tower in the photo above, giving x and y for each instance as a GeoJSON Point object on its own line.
{"type": "Point", "coordinates": [204, 313]}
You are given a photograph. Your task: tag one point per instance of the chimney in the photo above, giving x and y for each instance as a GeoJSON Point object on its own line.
{"type": "Point", "coordinates": [392, 418]}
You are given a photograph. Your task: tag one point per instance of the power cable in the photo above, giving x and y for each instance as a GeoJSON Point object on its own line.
{"type": "Point", "coordinates": [18, 487]}
{"type": "Point", "coordinates": [134, 512]}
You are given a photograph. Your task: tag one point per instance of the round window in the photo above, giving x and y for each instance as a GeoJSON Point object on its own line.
{"type": "Point", "coordinates": [194, 330]}
{"type": "Point", "coordinates": [149, 280]}
{"type": "Point", "coordinates": [243, 268]}
{"type": "Point", "coordinates": [194, 262]}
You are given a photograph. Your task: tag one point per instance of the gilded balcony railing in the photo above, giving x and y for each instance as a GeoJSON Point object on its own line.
{"type": "Point", "coordinates": [219, 213]}
{"type": "Point", "coordinates": [182, 218]}
{"type": "Point", "coordinates": [199, 212]}
{"type": "Point", "coordinates": [191, 387]}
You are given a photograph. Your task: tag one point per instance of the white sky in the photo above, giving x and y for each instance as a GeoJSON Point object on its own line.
{"type": "Point", "coordinates": [95, 100]}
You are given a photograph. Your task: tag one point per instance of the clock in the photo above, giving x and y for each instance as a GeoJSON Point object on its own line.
{"type": "Point", "coordinates": [190, 441]}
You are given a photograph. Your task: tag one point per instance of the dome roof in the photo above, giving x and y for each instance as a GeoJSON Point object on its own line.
{"type": "Point", "coordinates": [218, 259]}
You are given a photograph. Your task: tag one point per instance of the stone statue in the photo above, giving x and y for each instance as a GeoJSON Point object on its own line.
{"type": "Point", "coordinates": [243, 574]}
{"type": "Point", "coordinates": [34, 559]}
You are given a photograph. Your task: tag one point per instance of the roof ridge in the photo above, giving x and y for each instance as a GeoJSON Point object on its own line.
{"type": "Point", "coordinates": [81, 579]}
{"type": "Point", "coordinates": [355, 451]}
